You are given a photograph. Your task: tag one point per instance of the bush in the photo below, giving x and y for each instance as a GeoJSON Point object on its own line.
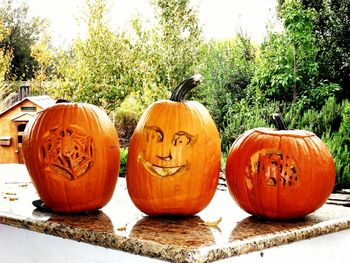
{"type": "Point", "coordinates": [8, 94]}
{"type": "Point", "coordinates": [332, 125]}
{"type": "Point", "coordinates": [338, 144]}
{"type": "Point", "coordinates": [125, 118]}
{"type": "Point", "coordinates": [123, 159]}
{"type": "Point", "coordinates": [242, 117]}
{"type": "Point", "coordinates": [126, 122]}
{"type": "Point", "coordinates": [341, 154]}
{"type": "Point", "coordinates": [227, 67]}
{"type": "Point", "coordinates": [317, 121]}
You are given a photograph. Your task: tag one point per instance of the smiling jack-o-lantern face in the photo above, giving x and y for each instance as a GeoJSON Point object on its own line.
{"type": "Point", "coordinates": [167, 164]}
{"type": "Point", "coordinates": [174, 159]}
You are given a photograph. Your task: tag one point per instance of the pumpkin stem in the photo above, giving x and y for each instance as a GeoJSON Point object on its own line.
{"type": "Point", "coordinates": [185, 86]}
{"type": "Point", "coordinates": [278, 121]}
{"type": "Point", "coordinates": [62, 101]}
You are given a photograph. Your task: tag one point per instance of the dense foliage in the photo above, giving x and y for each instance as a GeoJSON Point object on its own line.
{"type": "Point", "coordinates": [23, 32]}
{"type": "Point", "coordinates": [5, 66]}
{"type": "Point", "coordinates": [228, 67]}
{"type": "Point", "coordinates": [331, 27]}
{"type": "Point", "coordinates": [301, 72]}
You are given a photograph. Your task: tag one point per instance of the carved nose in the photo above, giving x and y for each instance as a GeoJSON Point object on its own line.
{"type": "Point", "coordinates": [165, 158]}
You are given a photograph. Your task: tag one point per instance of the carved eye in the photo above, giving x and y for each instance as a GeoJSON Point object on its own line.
{"type": "Point", "coordinates": [181, 138]}
{"type": "Point", "coordinates": [154, 134]}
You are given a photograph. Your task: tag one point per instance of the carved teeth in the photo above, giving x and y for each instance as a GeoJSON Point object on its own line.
{"type": "Point", "coordinates": [161, 171]}
{"type": "Point", "coordinates": [165, 171]}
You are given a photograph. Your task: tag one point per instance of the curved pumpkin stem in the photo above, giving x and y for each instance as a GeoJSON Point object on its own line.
{"type": "Point", "coordinates": [278, 121]}
{"type": "Point", "coordinates": [62, 101]}
{"type": "Point", "coordinates": [185, 86]}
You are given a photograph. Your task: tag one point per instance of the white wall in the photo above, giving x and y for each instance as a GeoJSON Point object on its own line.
{"type": "Point", "coordinates": [23, 246]}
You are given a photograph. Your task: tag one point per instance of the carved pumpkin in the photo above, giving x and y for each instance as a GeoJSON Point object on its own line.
{"type": "Point", "coordinates": [71, 151]}
{"type": "Point", "coordinates": [280, 173]}
{"type": "Point", "coordinates": [174, 156]}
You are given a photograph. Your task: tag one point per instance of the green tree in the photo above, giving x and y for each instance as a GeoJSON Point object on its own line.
{"type": "Point", "coordinates": [106, 67]}
{"type": "Point", "coordinates": [5, 54]}
{"type": "Point", "coordinates": [288, 68]}
{"type": "Point", "coordinates": [24, 31]}
{"type": "Point", "coordinates": [331, 26]}
{"type": "Point", "coordinates": [166, 53]}
{"type": "Point", "coordinates": [299, 28]}
{"type": "Point", "coordinates": [273, 78]}
{"type": "Point", "coordinates": [95, 70]}
{"type": "Point", "coordinates": [43, 52]}
{"type": "Point", "coordinates": [228, 67]}
{"type": "Point", "coordinates": [179, 41]}
{"type": "Point", "coordinates": [6, 89]}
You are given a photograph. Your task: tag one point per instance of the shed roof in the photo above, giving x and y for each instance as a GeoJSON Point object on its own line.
{"type": "Point", "coordinates": [23, 117]}
{"type": "Point", "coordinates": [41, 101]}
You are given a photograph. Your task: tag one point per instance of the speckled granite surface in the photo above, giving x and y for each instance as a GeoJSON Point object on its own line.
{"type": "Point", "coordinates": [121, 226]}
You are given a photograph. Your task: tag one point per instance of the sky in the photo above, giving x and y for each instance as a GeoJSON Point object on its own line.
{"type": "Point", "coordinates": [220, 19]}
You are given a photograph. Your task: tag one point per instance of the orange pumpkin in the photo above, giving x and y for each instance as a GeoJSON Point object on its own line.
{"type": "Point", "coordinates": [280, 173]}
{"type": "Point", "coordinates": [71, 151]}
{"type": "Point", "coordinates": [174, 156]}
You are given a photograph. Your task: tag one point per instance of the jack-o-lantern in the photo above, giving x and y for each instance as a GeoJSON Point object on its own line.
{"type": "Point", "coordinates": [72, 154]}
{"type": "Point", "coordinates": [280, 173]}
{"type": "Point", "coordinates": [174, 156]}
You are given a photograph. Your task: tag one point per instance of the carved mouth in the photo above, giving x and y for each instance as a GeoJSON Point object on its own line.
{"type": "Point", "coordinates": [160, 170]}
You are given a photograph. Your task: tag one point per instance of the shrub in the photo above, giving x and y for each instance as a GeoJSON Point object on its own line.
{"type": "Point", "coordinates": [341, 154]}
{"type": "Point", "coordinates": [332, 124]}
{"type": "Point", "coordinates": [8, 94]}
{"type": "Point", "coordinates": [339, 143]}
{"type": "Point", "coordinates": [123, 159]}
{"type": "Point", "coordinates": [126, 122]}
{"type": "Point", "coordinates": [327, 119]}
{"type": "Point", "coordinates": [125, 118]}
{"type": "Point", "coordinates": [227, 67]}
{"type": "Point", "coordinates": [242, 117]}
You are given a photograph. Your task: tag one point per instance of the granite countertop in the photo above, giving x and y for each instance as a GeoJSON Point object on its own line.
{"type": "Point", "coordinates": [120, 225]}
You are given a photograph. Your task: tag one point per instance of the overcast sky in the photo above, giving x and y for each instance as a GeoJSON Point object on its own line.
{"type": "Point", "coordinates": [220, 18]}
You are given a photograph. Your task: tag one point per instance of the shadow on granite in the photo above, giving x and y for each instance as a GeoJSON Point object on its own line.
{"type": "Point", "coordinates": [189, 232]}
{"type": "Point", "coordinates": [97, 221]}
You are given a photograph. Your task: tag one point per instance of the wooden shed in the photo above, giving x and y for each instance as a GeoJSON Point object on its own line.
{"type": "Point", "coordinates": [13, 122]}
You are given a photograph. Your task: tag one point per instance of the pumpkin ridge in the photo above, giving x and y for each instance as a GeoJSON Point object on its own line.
{"type": "Point", "coordinates": [311, 193]}
{"type": "Point", "coordinates": [285, 133]}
